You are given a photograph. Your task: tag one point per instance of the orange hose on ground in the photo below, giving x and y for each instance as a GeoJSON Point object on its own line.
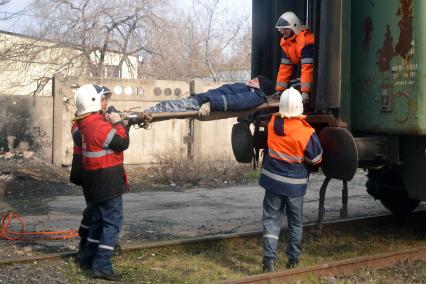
{"type": "Point", "coordinates": [6, 233]}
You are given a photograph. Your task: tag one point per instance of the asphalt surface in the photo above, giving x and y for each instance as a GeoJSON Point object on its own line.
{"type": "Point", "coordinates": [180, 213]}
{"type": "Point", "coordinates": [202, 211]}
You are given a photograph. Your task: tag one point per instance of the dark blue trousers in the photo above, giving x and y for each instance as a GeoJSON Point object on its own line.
{"type": "Point", "coordinates": [275, 207]}
{"type": "Point", "coordinates": [107, 220]}
{"type": "Point", "coordinates": [83, 230]}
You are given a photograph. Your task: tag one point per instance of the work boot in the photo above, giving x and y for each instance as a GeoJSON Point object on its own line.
{"type": "Point", "coordinates": [107, 276]}
{"type": "Point", "coordinates": [268, 265]}
{"type": "Point", "coordinates": [85, 264]}
{"type": "Point", "coordinates": [79, 254]}
{"type": "Point", "coordinates": [292, 264]}
{"type": "Point", "coordinates": [77, 257]}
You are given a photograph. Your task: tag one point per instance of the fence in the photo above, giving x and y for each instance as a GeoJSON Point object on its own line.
{"type": "Point", "coordinates": [43, 123]}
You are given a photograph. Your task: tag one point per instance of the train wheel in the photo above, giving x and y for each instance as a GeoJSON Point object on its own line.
{"type": "Point", "coordinates": [242, 142]}
{"type": "Point", "coordinates": [387, 186]}
{"type": "Point", "coordinates": [399, 204]}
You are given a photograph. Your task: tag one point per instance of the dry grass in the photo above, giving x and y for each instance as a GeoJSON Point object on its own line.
{"type": "Point", "coordinates": [178, 169]}
{"type": "Point", "coordinates": [232, 259]}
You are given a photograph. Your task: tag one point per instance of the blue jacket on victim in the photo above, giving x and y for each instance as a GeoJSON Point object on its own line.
{"type": "Point", "coordinates": [232, 97]}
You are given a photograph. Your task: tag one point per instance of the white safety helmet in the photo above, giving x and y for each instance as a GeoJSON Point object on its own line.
{"type": "Point", "coordinates": [291, 104]}
{"type": "Point", "coordinates": [289, 20]}
{"type": "Point", "coordinates": [87, 99]}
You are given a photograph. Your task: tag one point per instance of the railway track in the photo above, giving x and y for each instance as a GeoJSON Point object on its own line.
{"type": "Point", "coordinates": [189, 241]}
{"type": "Point", "coordinates": [336, 268]}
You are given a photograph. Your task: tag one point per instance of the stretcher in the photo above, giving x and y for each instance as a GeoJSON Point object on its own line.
{"type": "Point", "coordinates": [265, 110]}
{"type": "Point", "coordinates": [268, 107]}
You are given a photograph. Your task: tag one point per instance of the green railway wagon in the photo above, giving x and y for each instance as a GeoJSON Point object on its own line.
{"type": "Point", "coordinates": [369, 101]}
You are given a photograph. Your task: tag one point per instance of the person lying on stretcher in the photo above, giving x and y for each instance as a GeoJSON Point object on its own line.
{"type": "Point", "coordinates": [230, 97]}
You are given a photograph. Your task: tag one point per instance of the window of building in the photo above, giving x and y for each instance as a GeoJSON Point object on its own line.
{"type": "Point", "coordinates": [112, 71]}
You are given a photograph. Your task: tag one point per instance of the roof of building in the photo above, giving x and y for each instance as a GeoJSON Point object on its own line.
{"type": "Point", "coordinates": [60, 43]}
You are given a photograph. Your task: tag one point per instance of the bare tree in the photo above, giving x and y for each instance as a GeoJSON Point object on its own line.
{"type": "Point", "coordinates": [6, 15]}
{"type": "Point", "coordinates": [78, 37]}
{"type": "Point", "coordinates": [201, 41]}
{"type": "Point", "coordinates": [96, 27]}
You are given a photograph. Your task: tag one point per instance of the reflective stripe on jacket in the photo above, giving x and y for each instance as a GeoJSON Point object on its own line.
{"type": "Point", "coordinates": [291, 144]}
{"type": "Point", "coordinates": [297, 50]}
{"type": "Point", "coordinates": [104, 175]}
{"type": "Point", "coordinates": [97, 133]}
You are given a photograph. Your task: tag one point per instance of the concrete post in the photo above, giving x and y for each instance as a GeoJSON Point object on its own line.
{"type": "Point", "coordinates": [197, 87]}
{"type": "Point", "coordinates": [58, 109]}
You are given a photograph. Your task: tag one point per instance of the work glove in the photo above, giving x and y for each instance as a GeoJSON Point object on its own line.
{"type": "Point", "coordinates": [204, 109]}
{"type": "Point", "coordinates": [305, 98]}
{"type": "Point", "coordinates": [276, 96]}
{"type": "Point", "coordinates": [114, 118]}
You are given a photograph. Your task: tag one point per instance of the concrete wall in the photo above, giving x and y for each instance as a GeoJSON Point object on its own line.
{"type": "Point", "coordinates": [145, 145]}
{"type": "Point", "coordinates": [44, 122]}
{"type": "Point", "coordinates": [26, 123]}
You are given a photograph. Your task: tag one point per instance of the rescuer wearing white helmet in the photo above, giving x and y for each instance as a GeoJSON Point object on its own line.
{"type": "Point", "coordinates": [297, 63]}
{"type": "Point", "coordinates": [290, 21]}
{"type": "Point", "coordinates": [104, 138]}
{"type": "Point", "coordinates": [91, 98]}
{"type": "Point", "coordinates": [76, 175]}
{"type": "Point", "coordinates": [291, 104]}
{"type": "Point", "coordinates": [292, 143]}
{"type": "Point", "coordinates": [87, 100]}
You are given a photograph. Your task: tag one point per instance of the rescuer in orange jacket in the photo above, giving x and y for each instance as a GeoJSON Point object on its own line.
{"type": "Point", "coordinates": [76, 175]}
{"type": "Point", "coordinates": [292, 145]}
{"type": "Point", "coordinates": [104, 138]}
{"type": "Point", "coordinates": [297, 63]}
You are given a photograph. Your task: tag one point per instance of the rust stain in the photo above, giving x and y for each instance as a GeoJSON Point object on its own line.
{"type": "Point", "coordinates": [404, 44]}
{"type": "Point", "coordinates": [367, 28]}
{"type": "Point", "coordinates": [386, 53]}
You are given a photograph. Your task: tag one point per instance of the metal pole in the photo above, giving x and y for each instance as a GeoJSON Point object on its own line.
{"type": "Point", "coordinates": [344, 209]}
{"type": "Point", "coordinates": [321, 208]}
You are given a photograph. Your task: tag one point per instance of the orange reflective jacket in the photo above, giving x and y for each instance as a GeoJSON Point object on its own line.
{"type": "Point", "coordinates": [292, 143]}
{"type": "Point", "coordinates": [297, 50]}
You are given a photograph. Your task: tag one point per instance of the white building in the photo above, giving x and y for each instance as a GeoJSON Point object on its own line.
{"type": "Point", "coordinates": [27, 64]}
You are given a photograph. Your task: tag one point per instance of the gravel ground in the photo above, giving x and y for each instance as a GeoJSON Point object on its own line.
{"type": "Point", "coordinates": [57, 272]}
{"type": "Point", "coordinates": [174, 213]}
{"type": "Point", "coordinates": [232, 259]}
{"type": "Point", "coordinates": [41, 194]}
{"type": "Point", "coordinates": [404, 272]}
{"type": "Point", "coordinates": [45, 199]}
{"type": "Point", "coordinates": [46, 272]}
{"type": "Point", "coordinates": [33, 273]}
